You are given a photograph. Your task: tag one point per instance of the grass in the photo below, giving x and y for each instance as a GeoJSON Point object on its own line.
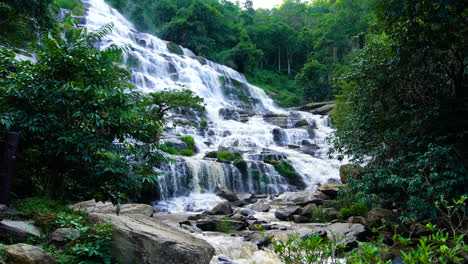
{"type": "Point", "coordinates": [224, 226]}
{"type": "Point", "coordinates": [189, 140]}
{"type": "Point", "coordinates": [229, 156]}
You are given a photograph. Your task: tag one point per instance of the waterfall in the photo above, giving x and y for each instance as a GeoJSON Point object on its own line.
{"type": "Point", "coordinates": [240, 117]}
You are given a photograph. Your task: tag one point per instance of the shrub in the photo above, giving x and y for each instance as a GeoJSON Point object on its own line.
{"type": "Point", "coordinates": [320, 215]}
{"type": "Point", "coordinates": [203, 124]}
{"type": "Point", "coordinates": [287, 170]}
{"type": "Point", "coordinates": [172, 151]}
{"type": "Point", "coordinates": [90, 244]}
{"type": "Point", "coordinates": [242, 166]}
{"type": "Point", "coordinates": [356, 209]}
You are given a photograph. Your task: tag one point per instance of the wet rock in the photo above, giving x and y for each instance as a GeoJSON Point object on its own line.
{"type": "Point", "coordinates": [229, 114]}
{"type": "Point", "coordinates": [143, 239]}
{"type": "Point", "coordinates": [301, 123]}
{"type": "Point", "coordinates": [247, 212]}
{"type": "Point", "coordinates": [175, 143]}
{"type": "Point", "coordinates": [239, 203]}
{"type": "Point", "coordinates": [247, 197]}
{"type": "Point", "coordinates": [225, 193]}
{"type": "Point", "coordinates": [27, 254]}
{"type": "Point", "coordinates": [3, 208]}
{"type": "Point", "coordinates": [279, 137]}
{"type": "Point", "coordinates": [292, 146]}
{"type": "Point", "coordinates": [191, 229]}
{"type": "Point", "coordinates": [307, 210]}
{"type": "Point", "coordinates": [376, 215]}
{"type": "Point", "coordinates": [300, 219]}
{"type": "Point", "coordinates": [260, 207]}
{"type": "Point", "coordinates": [223, 208]}
{"type": "Point", "coordinates": [276, 120]}
{"type": "Point", "coordinates": [215, 225]}
{"type": "Point", "coordinates": [259, 239]}
{"type": "Point", "coordinates": [225, 260]}
{"type": "Point", "coordinates": [92, 206]}
{"type": "Point", "coordinates": [331, 189]}
{"type": "Point", "coordinates": [286, 213]}
{"type": "Point", "coordinates": [200, 59]}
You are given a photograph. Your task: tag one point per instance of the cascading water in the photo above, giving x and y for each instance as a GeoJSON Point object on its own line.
{"type": "Point", "coordinates": [240, 117]}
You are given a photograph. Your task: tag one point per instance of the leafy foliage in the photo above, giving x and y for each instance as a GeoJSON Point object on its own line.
{"type": "Point", "coordinates": [400, 98]}
{"type": "Point", "coordinates": [71, 108]}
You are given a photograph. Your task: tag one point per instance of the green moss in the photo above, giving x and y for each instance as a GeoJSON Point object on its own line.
{"type": "Point", "coordinates": [203, 124]}
{"type": "Point", "coordinates": [174, 48]}
{"type": "Point", "coordinates": [187, 152]}
{"type": "Point", "coordinates": [212, 154]}
{"type": "Point", "coordinates": [190, 141]}
{"type": "Point", "coordinates": [287, 170]}
{"type": "Point", "coordinates": [224, 226]}
{"type": "Point", "coordinates": [241, 165]}
{"type": "Point", "coordinates": [229, 156]}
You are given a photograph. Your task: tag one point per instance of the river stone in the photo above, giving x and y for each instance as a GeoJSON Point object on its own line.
{"type": "Point", "coordinates": [14, 234]}
{"type": "Point", "coordinates": [27, 254]}
{"type": "Point", "coordinates": [142, 239]}
{"type": "Point", "coordinates": [63, 235]}
{"type": "Point", "coordinates": [300, 219]}
{"type": "Point", "coordinates": [92, 206]}
{"type": "Point", "coordinates": [301, 198]}
{"type": "Point", "coordinates": [331, 189]}
{"type": "Point", "coordinates": [260, 207]}
{"type": "Point", "coordinates": [259, 239]}
{"type": "Point", "coordinates": [376, 215]}
{"type": "Point", "coordinates": [307, 210]}
{"type": "Point", "coordinates": [225, 193]}
{"type": "Point", "coordinates": [286, 212]}
{"type": "Point", "coordinates": [223, 208]}
{"type": "Point", "coordinates": [345, 232]}
{"type": "Point", "coordinates": [24, 226]}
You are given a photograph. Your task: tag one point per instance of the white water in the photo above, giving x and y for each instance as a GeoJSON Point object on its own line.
{"type": "Point", "coordinates": [155, 68]}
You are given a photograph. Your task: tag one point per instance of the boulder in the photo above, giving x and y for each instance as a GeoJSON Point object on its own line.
{"type": "Point", "coordinates": [246, 212]}
{"type": "Point", "coordinates": [357, 220]}
{"type": "Point", "coordinates": [259, 239]}
{"type": "Point", "coordinates": [92, 206]}
{"type": "Point", "coordinates": [176, 143]}
{"type": "Point", "coordinates": [8, 233]}
{"type": "Point", "coordinates": [301, 198]}
{"type": "Point", "coordinates": [331, 189]}
{"type": "Point", "coordinates": [286, 213]}
{"type": "Point", "coordinates": [191, 229]}
{"type": "Point", "coordinates": [225, 193]}
{"type": "Point", "coordinates": [27, 254]}
{"type": "Point", "coordinates": [324, 110]}
{"type": "Point", "coordinates": [223, 208]}
{"type": "Point", "coordinates": [321, 196]}
{"type": "Point", "coordinates": [260, 207]}
{"type": "Point", "coordinates": [142, 239]}
{"type": "Point", "coordinates": [346, 233]}
{"type": "Point", "coordinates": [62, 236]}
{"type": "Point", "coordinates": [247, 197]}
{"type": "Point", "coordinates": [217, 224]}
{"type": "Point", "coordinates": [349, 170]}
{"type": "Point", "coordinates": [25, 226]}
{"type": "Point", "coordinates": [3, 208]}
{"type": "Point", "coordinates": [307, 210]}
{"type": "Point", "coordinates": [300, 219]}
{"type": "Point", "coordinates": [376, 215]}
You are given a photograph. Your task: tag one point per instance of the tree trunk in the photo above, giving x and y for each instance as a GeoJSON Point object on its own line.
{"type": "Point", "coordinates": [7, 165]}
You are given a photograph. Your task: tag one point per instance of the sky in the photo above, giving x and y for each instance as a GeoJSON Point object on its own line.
{"type": "Point", "coordinates": [263, 3]}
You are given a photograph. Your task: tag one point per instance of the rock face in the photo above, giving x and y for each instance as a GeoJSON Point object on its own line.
{"type": "Point", "coordinates": [8, 233]}
{"type": "Point", "coordinates": [27, 254]}
{"type": "Point", "coordinates": [25, 226]}
{"type": "Point", "coordinates": [62, 235]}
{"type": "Point", "coordinates": [225, 193]}
{"type": "Point", "coordinates": [276, 120]}
{"type": "Point", "coordinates": [92, 206]}
{"type": "Point", "coordinates": [141, 239]}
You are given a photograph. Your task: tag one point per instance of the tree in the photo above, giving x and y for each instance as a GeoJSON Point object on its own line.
{"type": "Point", "coordinates": [75, 118]}
{"type": "Point", "coordinates": [402, 107]}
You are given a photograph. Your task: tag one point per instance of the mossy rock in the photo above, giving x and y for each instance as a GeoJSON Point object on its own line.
{"type": "Point", "coordinates": [174, 48]}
